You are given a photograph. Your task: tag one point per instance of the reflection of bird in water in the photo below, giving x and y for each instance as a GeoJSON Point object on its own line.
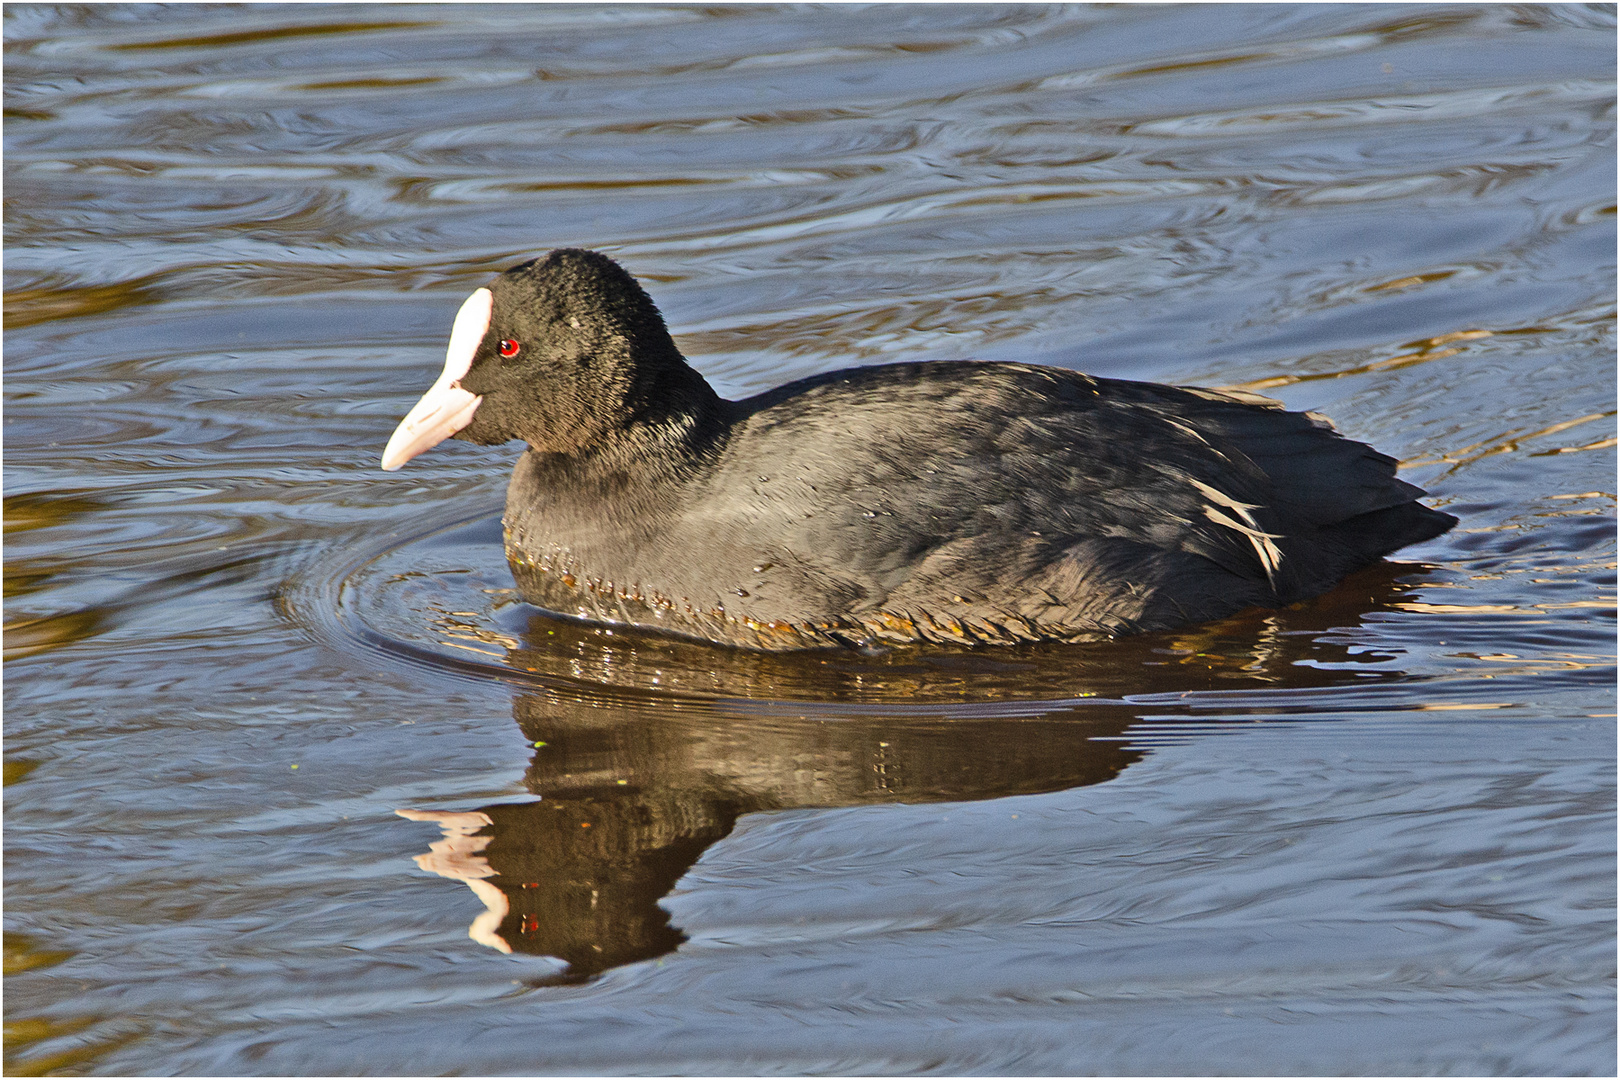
{"type": "Point", "coordinates": [459, 856]}
{"type": "Point", "coordinates": [631, 798]}
{"type": "Point", "coordinates": [634, 786]}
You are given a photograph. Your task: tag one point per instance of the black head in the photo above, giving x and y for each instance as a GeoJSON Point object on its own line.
{"type": "Point", "coordinates": [564, 352]}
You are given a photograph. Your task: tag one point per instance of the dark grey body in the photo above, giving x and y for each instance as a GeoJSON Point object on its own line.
{"type": "Point", "coordinates": [959, 502]}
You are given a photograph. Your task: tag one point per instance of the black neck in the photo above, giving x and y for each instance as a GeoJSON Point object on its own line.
{"type": "Point", "coordinates": [673, 427]}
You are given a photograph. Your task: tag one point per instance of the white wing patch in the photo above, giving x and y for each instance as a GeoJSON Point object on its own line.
{"type": "Point", "coordinates": [1270, 555]}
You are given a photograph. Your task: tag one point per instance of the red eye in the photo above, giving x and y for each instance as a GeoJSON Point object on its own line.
{"type": "Point", "coordinates": [509, 348]}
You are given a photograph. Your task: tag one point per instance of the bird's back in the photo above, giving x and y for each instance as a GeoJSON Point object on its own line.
{"type": "Point", "coordinates": [1002, 502]}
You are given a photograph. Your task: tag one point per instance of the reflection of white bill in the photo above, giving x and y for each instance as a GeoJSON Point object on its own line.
{"type": "Point", "coordinates": [457, 857]}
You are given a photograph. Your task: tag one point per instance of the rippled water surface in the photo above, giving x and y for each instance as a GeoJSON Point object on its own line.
{"type": "Point", "coordinates": [297, 785]}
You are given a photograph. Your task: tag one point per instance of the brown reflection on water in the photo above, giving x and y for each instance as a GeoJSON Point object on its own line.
{"type": "Point", "coordinates": [39, 509]}
{"type": "Point", "coordinates": [22, 1034]}
{"type": "Point", "coordinates": [631, 798]}
{"type": "Point", "coordinates": [26, 307]}
{"type": "Point", "coordinates": [27, 633]}
{"type": "Point", "coordinates": [634, 788]}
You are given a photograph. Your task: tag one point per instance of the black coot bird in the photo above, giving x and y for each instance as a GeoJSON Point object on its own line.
{"type": "Point", "coordinates": [930, 501]}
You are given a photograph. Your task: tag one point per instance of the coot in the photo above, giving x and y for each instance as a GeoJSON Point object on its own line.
{"type": "Point", "coordinates": [929, 501]}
